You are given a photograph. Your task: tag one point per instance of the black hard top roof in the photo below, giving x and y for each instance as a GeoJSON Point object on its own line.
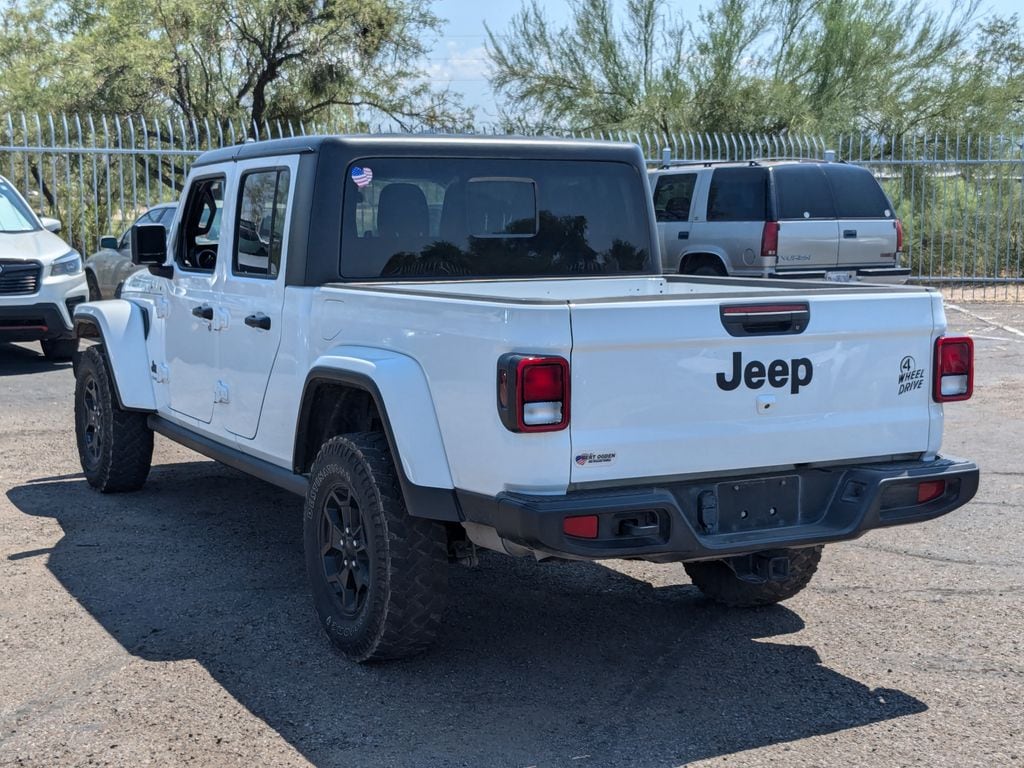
{"type": "Point", "coordinates": [429, 144]}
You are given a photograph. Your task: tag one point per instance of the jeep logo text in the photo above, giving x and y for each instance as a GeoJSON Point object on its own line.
{"type": "Point", "coordinates": [778, 373]}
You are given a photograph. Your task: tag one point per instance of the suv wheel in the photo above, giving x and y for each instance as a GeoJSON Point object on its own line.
{"type": "Point", "coordinates": [720, 583]}
{"type": "Point", "coordinates": [59, 349]}
{"type": "Point", "coordinates": [706, 267]}
{"type": "Point", "coordinates": [379, 577]}
{"type": "Point", "coordinates": [115, 446]}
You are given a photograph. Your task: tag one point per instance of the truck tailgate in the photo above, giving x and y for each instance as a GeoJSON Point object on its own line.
{"type": "Point", "coordinates": [661, 389]}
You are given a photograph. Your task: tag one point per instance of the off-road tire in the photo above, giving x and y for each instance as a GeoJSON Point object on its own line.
{"type": "Point", "coordinates": [718, 582]}
{"type": "Point", "coordinates": [115, 446]}
{"type": "Point", "coordinates": [389, 606]}
{"type": "Point", "coordinates": [59, 350]}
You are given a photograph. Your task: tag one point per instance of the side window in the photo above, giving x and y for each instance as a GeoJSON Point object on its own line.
{"type": "Point", "coordinates": [738, 194]}
{"type": "Point", "coordinates": [200, 226]}
{"type": "Point", "coordinates": [802, 192]}
{"type": "Point", "coordinates": [167, 216]}
{"type": "Point", "coordinates": [262, 208]}
{"type": "Point", "coordinates": [857, 193]}
{"type": "Point", "coordinates": [673, 195]}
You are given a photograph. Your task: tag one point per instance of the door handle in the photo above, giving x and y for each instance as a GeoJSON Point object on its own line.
{"type": "Point", "coordinates": [849, 233]}
{"type": "Point", "coordinates": [684, 235]}
{"type": "Point", "coordinates": [259, 320]}
{"type": "Point", "coordinates": [204, 312]}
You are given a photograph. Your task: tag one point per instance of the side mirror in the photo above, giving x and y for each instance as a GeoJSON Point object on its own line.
{"type": "Point", "coordinates": [108, 241]}
{"type": "Point", "coordinates": [149, 248]}
{"type": "Point", "coordinates": [53, 225]}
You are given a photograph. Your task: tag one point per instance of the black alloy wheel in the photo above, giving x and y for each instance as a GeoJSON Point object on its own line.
{"type": "Point", "coordinates": [344, 550]}
{"type": "Point", "coordinates": [89, 417]}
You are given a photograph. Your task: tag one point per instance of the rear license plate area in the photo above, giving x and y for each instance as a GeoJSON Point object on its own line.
{"type": "Point", "coordinates": [751, 505]}
{"type": "Point", "coordinates": [841, 276]}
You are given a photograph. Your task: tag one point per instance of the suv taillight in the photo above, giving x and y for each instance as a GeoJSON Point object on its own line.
{"type": "Point", "coordinates": [770, 240]}
{"type": "Point", "coordinates": [533, 393]}
{"type": "Point", "coordinates": [899, 235]}
{"type": "Point", "coordinates": [954, 369]}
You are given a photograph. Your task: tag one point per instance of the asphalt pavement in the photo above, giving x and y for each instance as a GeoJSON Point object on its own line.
{"type": "Point", "coordinates": [173, 627]}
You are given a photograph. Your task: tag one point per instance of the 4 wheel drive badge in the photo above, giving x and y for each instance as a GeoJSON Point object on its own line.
{"type": "Point", "coordinates": [911, 377]}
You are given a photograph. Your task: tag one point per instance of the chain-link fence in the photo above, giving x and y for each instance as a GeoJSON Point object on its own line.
{"type": "Point", "coordinates": [960, 197]}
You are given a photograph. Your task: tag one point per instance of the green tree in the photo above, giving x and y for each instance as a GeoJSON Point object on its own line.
{"type": "Point", "coordinates": [248, 60]}
{"type": "Point", "coordinates": [884, 66]}
{"type": "Point", "coordinates": [592, 75]}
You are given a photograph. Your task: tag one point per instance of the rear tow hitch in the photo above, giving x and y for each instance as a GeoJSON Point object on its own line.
{"type": "Point", "coordinates": [760, 567]}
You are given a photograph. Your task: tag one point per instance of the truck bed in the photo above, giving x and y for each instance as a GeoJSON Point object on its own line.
{"type": "Point", "coordinates": [660, 387]}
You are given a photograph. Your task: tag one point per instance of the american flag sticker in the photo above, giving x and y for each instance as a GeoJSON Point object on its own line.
{"type": "Point", "coordinates": [361, 176]}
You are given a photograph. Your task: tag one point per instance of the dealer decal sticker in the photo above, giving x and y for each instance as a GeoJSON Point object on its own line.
{"type": "Point", "coordinates": [362, 176]}
{"type": "Point", "coordinates": [590, 458]}
{"type": "Point", "coordinates": [911, 377]}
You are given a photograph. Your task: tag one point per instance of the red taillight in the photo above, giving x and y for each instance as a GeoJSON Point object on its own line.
{"type": "Point", "coordinates": [770, 240]}
{"type": "Point", "coordinates": [581, 526]}
{"type": "Point", "coordinates": [954, 369]}
{"type": "Point", "coordinates": [533, 393]}
{"type": "Point", "coordinates": [542, 382]}
{"type": "Point", "coordinates": [930, 490]}
{"type": "Point", "coordinates": [899, 235]}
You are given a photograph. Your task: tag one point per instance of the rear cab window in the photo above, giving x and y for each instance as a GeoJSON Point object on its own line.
{"type": "Point", "coordinates": [478, 217]}
{"type": "Point", "coordinates": [802, 192]}
{"type": "Point", "coordinates": [857, 193]}
{"type": "Point", "coordinates": [739, 194]}
{"type": "Point", "coordinates": [673, 195]}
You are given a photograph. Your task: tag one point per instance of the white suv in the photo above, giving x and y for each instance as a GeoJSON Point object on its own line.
{"type": "Point", "coordinates": [41, 278]}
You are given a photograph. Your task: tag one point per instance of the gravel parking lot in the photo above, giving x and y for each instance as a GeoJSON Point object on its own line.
{"type": "Point", "coordinates": [173, 626]}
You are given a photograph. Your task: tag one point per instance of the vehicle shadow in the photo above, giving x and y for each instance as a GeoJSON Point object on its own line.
{"type": "Point", "coordinates": [538, 663]}
{"type": "Point", "coordinates": [17, 360]}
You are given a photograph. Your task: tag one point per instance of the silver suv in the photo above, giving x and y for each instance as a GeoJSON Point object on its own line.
{"type": "Point", "coordinates": [777, 218]}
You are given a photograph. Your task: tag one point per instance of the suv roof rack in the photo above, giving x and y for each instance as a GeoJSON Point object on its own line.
{"type": "Point", "coordinates": [704, 163]}
{"type": "Point", "coordinates": [753, 161]}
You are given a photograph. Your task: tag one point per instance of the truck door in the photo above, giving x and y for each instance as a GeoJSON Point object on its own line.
{"type": "Point", "coordinates": [867, 222]}
{"type": "Point", "coordinates": [193, 324]}
{"type": "Point", "coordinates": [253, 295]}
{"type": "Point", "coordinates": [673, 195]}
{"type": "Point", "coordinates": [808, 231]}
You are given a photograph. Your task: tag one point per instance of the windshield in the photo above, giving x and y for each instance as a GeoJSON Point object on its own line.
{"type": "Point", "coordinates": [475, 217]}
{"type": "Point", "coordinates": [15, 216]}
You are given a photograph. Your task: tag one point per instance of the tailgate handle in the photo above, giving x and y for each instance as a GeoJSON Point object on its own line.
{"type": "Point", "coordinates": [765, 319]}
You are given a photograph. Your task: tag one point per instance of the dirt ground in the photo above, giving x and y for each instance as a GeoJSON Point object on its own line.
{"type": "Point", "coordinates": [173, 627]}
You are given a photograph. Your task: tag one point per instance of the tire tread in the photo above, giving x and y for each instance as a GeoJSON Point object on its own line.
{"type": "Point", "coordinates": [415, 595]}
{"type": "Point", "coordinates": [717, 581]}
{"type": "Point", "coordinates": [128, 449]}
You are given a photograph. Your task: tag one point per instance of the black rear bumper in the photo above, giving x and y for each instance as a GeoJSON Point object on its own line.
{"type": "Point", "coordinates": [33, 322]}
{"type": "Point", "coordinates": [710, 519]}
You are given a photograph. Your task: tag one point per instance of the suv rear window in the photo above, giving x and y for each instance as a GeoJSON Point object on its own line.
{"type": "Point", "coordinates": [673, 195]}
{"type": "Point", "coordinates": [857, 193]}
{"type": "Point", "coordinates": [478, 217]}
{"type": "Point", "coordinates": [738, 194]}
{"type": "Point", "coordinates": [802, 192]}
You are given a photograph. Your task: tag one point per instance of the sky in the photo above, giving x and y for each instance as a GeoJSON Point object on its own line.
{"type": "Point", "coordinates": [458, 58]}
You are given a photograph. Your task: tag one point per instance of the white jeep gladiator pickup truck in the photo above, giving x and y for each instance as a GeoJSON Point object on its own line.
{"type": "Point", "coordinates": [451, 343]}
